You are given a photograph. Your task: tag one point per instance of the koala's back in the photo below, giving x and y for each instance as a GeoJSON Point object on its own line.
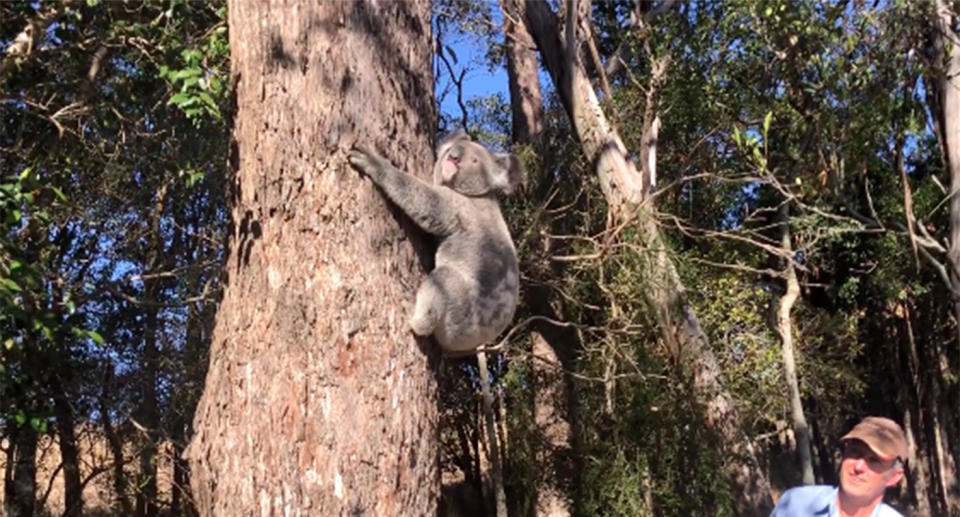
{"type": "Point", "coordinates": [480, 262]}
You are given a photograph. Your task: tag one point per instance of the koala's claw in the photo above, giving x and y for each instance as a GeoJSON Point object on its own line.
{"type": "Point", "coordinates": [358, 158]}
{"type": "Point", "coordinates": [365, 160]}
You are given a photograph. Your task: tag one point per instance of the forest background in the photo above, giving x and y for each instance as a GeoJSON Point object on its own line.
{"type": "Point", "coordinates": [737, 238]}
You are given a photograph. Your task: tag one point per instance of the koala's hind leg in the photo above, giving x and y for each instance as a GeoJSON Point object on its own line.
{"type": "Point", "coordinates": [437, 304]}
{"type": "Point", "coordinates": [428, 308]}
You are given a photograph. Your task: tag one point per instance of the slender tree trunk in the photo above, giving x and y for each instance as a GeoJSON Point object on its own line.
{"type": "Point", "coordinates": [20, 489]}
{"type": "Point", "coordinates": [626, 191]}
{"type": "Point", "coordinates": [526, 101]}
{"type": "Point", "coordinates": [114, 443]}
{"type": "Point", "coordinates": [788, 351]}
{"type": "Point", "coordinates": [910, 386]}
{"type": "Point", "coordinates": [947, 122]}
{"type": "Point", "coordinates": [148, 417]}
{"type": "Point", "coordinates": [551, 394]}
{"type": "Point", "coordinates": [826, 474]}
{"type": "Point", "coordinates": [549, 406]}
{"type": "Point", "coordinates": [494, 452]}
{"type": "Point", "coordinates": [318, 401]}
{"type": "Point", "coordinates": [69, 455]}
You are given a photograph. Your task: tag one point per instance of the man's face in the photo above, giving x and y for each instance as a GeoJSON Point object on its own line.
{"type": "Point", "coordinates": [864, 474]}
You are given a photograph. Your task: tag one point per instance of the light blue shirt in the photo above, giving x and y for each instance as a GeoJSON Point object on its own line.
{"type": "Point", "coordinates": [816, 501]}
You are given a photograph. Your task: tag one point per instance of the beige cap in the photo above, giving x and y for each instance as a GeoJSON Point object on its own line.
{"type": "Point", "coordinates": [883, 435]}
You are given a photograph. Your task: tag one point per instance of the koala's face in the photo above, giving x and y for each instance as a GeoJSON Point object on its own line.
{"type": "Point", "coordinates": [470, 169]}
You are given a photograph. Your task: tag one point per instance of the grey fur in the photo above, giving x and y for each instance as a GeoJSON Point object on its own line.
{"type": "Point", "coordinates": [471, 295]}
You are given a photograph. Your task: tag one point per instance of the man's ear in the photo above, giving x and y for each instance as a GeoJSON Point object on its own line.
{"type": "Point", "coordinates": [896, 477]}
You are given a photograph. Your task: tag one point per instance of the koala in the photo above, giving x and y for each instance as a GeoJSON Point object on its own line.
{"type": "Point", "coordinates": [471, 295]}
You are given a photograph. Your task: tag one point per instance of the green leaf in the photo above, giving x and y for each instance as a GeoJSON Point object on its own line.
{"type": "Point", "coordinates": [8, 344]}
{"type": "Point", "coordinates": [736, 137]}
{"type": "Point", "coordinates": [208, 100]}
{"type": "Point", "coordinates": [10, 284]}
{"type": "Point", "coordinates": [95, 336]}
{"type": "Point", "coordinates": [59, 193]}
{"type": "Point", "coordinates": [179, 99]}
{"type": "Point", "coordinates": [39, 424]}
{"type": "Point", "coordinates": [766, 123]}
{"type": "Point", "coordinates": [25, 173]}
{"type": "Point", "coordinates": [20, 417]}
{"type": "Point", "coordinates": [186, 73]}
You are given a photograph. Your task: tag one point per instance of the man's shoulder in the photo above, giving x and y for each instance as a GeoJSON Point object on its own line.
{"type": "Point", "coordinates": [886, 510]}
{"type": "Point", "coordinates": [805, 500]}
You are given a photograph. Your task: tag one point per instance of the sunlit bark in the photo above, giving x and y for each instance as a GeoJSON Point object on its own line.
{"type": "Point", "coordinates": [626, 191]}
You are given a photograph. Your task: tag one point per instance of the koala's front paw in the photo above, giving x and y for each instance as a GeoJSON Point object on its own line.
{"type": "Point", "coordinates": [365, 160]}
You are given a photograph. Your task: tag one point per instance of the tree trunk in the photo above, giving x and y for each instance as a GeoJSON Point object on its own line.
{"type": "Point", "coordinates": [69, 455]}
{"type": "Point", "coordinates": [549, 404]}
{"type": "Point", "coordinates": [551, 398]}
{"type": "Point", "coordinates": [788, 351]}
{"type": "Point", "coordinates": [114, 442]}
{"type": "Point", "coordinates": [494, 452]}
{"type": "Point", "coordinates": [318, 401]}
{"type": "Point", "coordinates": [21, 486]}
{"type": "Point", "coordinates": [148, 417]}
{"type": "Point", "coordinates": [911, 386]}
{"type": "Point", "coordinates": [947, 122]}
{"type": "Point", "coordinates": [526, 101]}
{"type": "Point", "coordinates": [626, 191]}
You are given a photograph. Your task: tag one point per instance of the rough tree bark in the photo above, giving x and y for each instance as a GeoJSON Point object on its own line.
{"type": "Point", "coordinates": [318, 401]}
{"type": "Point", "coordinates": [626, 191]}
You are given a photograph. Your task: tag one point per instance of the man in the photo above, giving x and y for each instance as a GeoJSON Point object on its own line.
{"type": "Point", "coordinates": [874, 452]}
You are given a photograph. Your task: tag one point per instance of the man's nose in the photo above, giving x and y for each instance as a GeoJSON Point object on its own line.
{"type": "Point", "coordinates": [860, 465]}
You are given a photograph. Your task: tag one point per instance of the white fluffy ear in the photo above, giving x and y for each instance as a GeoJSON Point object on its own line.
{"type": "Point", "coordinates": [450, 139]}
{"type": "Point", "coordinates": [510, 172]}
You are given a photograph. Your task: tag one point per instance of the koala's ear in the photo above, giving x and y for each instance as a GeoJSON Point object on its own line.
{"type": "Point", "coordinates": [450, 139]}
{"type": "Point", "coordinates": [510, 174]}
